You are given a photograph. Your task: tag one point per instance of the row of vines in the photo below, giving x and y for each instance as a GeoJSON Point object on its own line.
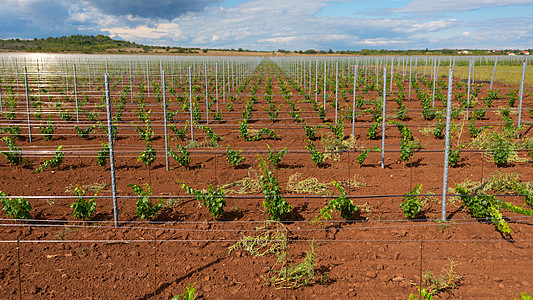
{"type": "Point", "coordinates": [235, 98]}
{"type": "Point", "coordinates": [320, 141]}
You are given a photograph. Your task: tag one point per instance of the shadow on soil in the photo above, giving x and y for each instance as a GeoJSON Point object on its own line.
{"type": "Point", "coordinates": [232, 215]}
{"type": "Point", "coordinates": [287, 166]}
{"type": "Point", "coordinates": [295, 214]}
{"type": "Point", "coordinates": [324, 274]}
{"type": "Point", "coordinates": [168, 215]}
{"type": "Point", "coordinates": [243, 166]}
{"type": "Point", "coordinates": [333, 229]}
{"type": "Point", "coordinates": [165, 285]}
{"type": "Point", "coordinates": [415, 163]}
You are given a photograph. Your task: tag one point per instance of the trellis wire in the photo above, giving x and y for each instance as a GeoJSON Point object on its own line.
{"type": "Point", "coordinates": [136, 224]}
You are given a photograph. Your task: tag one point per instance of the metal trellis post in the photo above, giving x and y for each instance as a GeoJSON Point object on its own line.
{"type": "Point", "coordinates": [27, 101]}
{"type": "Point", "coordinates": [383, 118]}
{"type": "Point", "coordinates": [111, 150]}
{"type": "Point", "coordinates": [447, 143]}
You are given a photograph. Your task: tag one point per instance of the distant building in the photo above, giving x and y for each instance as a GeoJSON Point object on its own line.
{"type": "Point", "coordinates": [464, 52]}
{"type": "Point", "coordinates": [525, 52]}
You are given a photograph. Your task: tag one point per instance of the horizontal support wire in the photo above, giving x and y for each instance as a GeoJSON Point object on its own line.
{"type": "Point", "coordinates": [98, 224]}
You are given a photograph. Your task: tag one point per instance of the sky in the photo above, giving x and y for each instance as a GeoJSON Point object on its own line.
{"type": "Point", "coordinates": [280, 24]}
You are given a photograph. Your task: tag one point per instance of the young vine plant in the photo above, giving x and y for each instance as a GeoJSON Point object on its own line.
{"type": "Point", "coordinates": [144, 208]}
{"type": "Point", "coordinates": [103, 155]}
{"type": "Point", "coordinates": [411, 206]}
{"type": "Point", "coordinates": [18, 208]}
{"type": "Point", "coordinates": [234, 157]}
{"type": "Point", "coordinates": [213, 199]}
{"type": "Point", "coordinates": [342, 203]}
{"type": "Point", "coordinates": [14, 155]}
{"type": "Point", "coordinates": [83, 208]}
{"type": "Point", "coordinates": [53, 162]}
{"type": "Point", "coordinates": [148, 155]}
{"type": "Point", "coordinates": [362, 157]}
{"type": "Point", "coordinates": [277, 207]}
{"type": "Point", "coordinates": [316, 156]}
{"type": "Point", "coordinates": [275, 157]}
{"type": "Point", "coordinates": [182, 157]}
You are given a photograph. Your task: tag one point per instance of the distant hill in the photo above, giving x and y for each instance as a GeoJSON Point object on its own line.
{"type": "Point", "coordinates": [85, 44]}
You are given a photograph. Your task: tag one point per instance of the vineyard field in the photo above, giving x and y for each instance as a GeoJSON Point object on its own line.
{"type": "Point", "coordinates": [263, 178]}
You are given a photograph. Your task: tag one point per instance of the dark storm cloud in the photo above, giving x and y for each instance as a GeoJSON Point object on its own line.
{"type": "Point", "coordinates": [36, 18]}
{"type": "Point", "coordinates": [164, 9]}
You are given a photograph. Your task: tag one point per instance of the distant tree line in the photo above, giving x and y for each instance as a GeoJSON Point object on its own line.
{"type": "Point", "coordinates": [426, 51]}
{"type": "Point", "coordinates": [102, 44]}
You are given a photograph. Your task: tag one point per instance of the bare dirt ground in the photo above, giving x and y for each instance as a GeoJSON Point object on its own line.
{"type": "Point", "coordinates": [378, 255]}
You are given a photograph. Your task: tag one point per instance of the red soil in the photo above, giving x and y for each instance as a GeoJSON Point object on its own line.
{"type": "Point", "coordinates": [378, 256]}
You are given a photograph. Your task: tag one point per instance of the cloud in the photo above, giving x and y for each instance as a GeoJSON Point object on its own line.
{"type": "Point", "coordinates": [163, 9]}
{"type": "Point", "coordinates": [379, 42]}
{"type": "Point", "coordinates": [36, 18]}
{"type": "Point", "coordinates": [427, 26]}
{"type": "Point", "coordinates": [279, 40]}
{"type": "Point", "coordinates": [511, 33]}
{"type": "Point", "coordinates": [451, 6]}
{"type": "Point", "coordinates": [253, 25]}
{"type": "Point", "coordinates": [168, 30]}
{"type": "Point", "coordinates": [273, 24]}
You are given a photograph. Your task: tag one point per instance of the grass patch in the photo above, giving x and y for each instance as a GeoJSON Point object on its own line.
{"type": "Point", "coordinates": [487, 140]}
{"type": "Point", "coordinates": [310, 185]}
{"type": "Point", "coordinates": [334, 145]}
{"type": "Point", "coordinates": [206, 143]}
{"type": "Point", "coordinates": [499, 182]}
{"type": "Point", "coordinates": [507, 75]}
{"type": "Point", "coordinates": [426, 130]}
{"type": "Point", "coordinates": [273, 241]}
{"type": "Point", "coordinates": [94, 188]}
{"type": "Point", "coordinates": [357, 181]}
{"type": "Point", "coordinates": [250, 184]}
